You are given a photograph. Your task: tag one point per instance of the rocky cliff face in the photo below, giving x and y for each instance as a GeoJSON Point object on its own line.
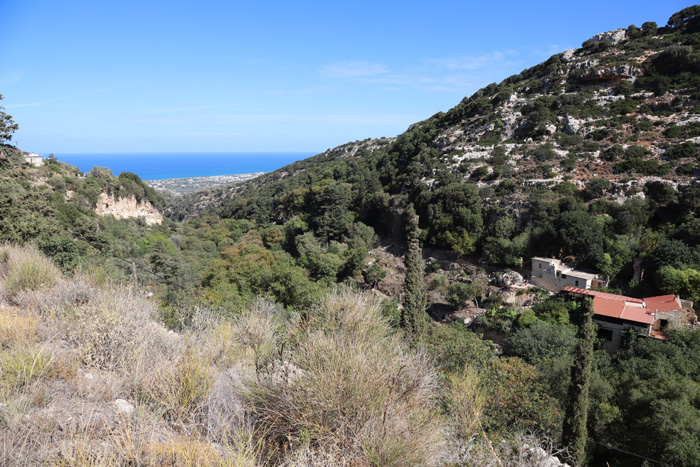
{"type": "Point", "coordinates": [127, 207]}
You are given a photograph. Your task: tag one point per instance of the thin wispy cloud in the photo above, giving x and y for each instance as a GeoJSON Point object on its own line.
{"type": "Point", "coordinates": [494, 59]}
{"type": "Point", "coordinates": [447, 74]}
{"type": "Point", "coordinates": [215, 133]}
{"type": "Point", "coordinates": [221, 119]}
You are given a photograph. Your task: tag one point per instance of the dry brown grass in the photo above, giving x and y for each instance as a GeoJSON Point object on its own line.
{"type": "Point", "coordinates": [354, 385]}
{"type": "Point", "coordinates": [178, 388]}
{"type": "Point", "coordinates": [257, 331]}
{"type": "Point", "coordinates": [16, 326]}
{"type": "Point", "coordinates": [336, 388]}
{"type": "Point", "coordinates": [115, 329]}
{"type": "Point", "coordinates": [25, 268]}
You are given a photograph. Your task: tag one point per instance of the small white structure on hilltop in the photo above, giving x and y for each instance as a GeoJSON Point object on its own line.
{"type": "Point", "coordinates": [554, 275]}
{"type": "Point", "coordinates": [34, 159]}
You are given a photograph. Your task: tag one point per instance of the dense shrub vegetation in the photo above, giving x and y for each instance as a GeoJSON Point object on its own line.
{"type": "Point", "coordinates": [280, 357]}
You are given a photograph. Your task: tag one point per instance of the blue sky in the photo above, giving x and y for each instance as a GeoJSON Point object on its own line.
{"type": "Point", "coordinates": [162, 76]}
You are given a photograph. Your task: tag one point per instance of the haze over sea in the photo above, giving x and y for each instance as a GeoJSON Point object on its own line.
{"type": "Point", "coordinates": [158, 166]}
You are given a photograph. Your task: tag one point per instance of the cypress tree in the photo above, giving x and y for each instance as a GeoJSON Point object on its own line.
{"type": "Point", "coordinates": [574, 431]}
{"type": "Point", "coordinates": [415, 297]}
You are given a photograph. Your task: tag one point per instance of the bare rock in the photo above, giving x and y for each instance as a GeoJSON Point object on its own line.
{"type": "Point", "coordinates": [613, 73]}
{"type": "Point", "coordinates": [573, 126]}
{"type": "Point", "coordinates": [124, 407]}
{"type": "Point", "coordinates": [509, 278]}
{"type": "Point", "coordinates": [568, 55]}
{"type": "Point", "coordinates": [127, 207]}
{"type": "Point", "coordinates": [615, 37]}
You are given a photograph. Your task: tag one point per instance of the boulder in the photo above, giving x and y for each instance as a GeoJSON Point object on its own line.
{"type": "Point", "coordinates": [573, 126]}
{"type": "Point", "coordinates": [508, 278]}
{"type": "Point", "coordinates": [615, 37]}
{"type": "Point", "coordinates": [124, 407]}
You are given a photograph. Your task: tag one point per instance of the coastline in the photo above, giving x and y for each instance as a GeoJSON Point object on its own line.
{"type": "Point", "coordinates": [185, 185]}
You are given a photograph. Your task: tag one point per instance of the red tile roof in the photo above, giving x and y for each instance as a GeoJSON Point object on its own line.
{"type": "Point", "coordinates": [608, 296]}
{"type": "Point", "coordinates": [663, 303]}
{"type": "Point", "coordinates": [605, 307]}
{"type": "Point", "coordinates": [627, 308]}
{"type": "Point", "coordinates": [637, 314]}
{"type": "Point", "coordinates": [615, 308]}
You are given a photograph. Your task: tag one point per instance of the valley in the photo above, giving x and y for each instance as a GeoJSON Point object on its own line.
{"type": "Point", "coordinates": [512, 281]}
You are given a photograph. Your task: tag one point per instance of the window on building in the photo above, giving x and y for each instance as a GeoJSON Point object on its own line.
{"type": "Point", "coordinates": [563, 276]}
{"type": "Point", "coordinates": [576, 283]}
{"type": "Point", "coordinates": [539, 265]}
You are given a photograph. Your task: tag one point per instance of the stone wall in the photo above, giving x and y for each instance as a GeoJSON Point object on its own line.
{"type": "Point", "coordinates": [676, 319]}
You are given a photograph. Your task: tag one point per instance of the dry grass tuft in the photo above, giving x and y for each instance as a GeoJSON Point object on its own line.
{"type": "Point", "coordinates": [225, 411]}
{"type": "Point", "coordinates": [466, 400]}
{"type": "Point", "coordinates": [356, 386]}
{"type": "Point", "coordinates": [16, 327]}
{"type": "Point", "coordinates": [25, 268]}
{"type": "Point", "coordinates": [257, 330]}
{"type": "Point", "coordinates": [183, 453]}
{"type": "Point", "coordinates": [114, 330]}
{"type": "Point", "coordinates": [21, 365]}
{"type": "Point", "coordinates": [189, 452]}
{"type": "Point", "coordinates": [177, 389]}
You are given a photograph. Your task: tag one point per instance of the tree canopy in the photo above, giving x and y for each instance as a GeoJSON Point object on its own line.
{"type": "Point", "coordinates": [7, 125]}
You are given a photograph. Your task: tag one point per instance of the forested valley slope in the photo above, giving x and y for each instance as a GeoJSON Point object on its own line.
{"type": "Point", "coordinates": [351, 308]}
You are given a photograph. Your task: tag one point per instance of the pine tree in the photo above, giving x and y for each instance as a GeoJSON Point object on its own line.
{"type": "Point", "coordinates": [415, 298]}
{"type": "Point", "coordinates": [574, 431]}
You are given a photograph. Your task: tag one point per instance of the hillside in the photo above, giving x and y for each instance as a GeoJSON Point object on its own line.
{"type": "Point", "coordinates": [82, 220]}
{"type": "Point", "coordinates": [561, 120]}
{"type": "Point", "coordinates": [611, 128]}
{"type": "Point", "coordinates": [89, 376]}
{"type": "Point", "coordinates": [364, 307]}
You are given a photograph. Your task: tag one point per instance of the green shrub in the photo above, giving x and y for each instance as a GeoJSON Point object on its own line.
{"type": "Point", "coordinates": [459, 292]}
{"type": "Point", "coordinates": [597, 187]}
{"type": "Point", "coordinates": [683, 150]}
{"type": "Point", "coordinates": [623, 106]}
{"type": "Point", "coordinates": [612, 153]}
{"type": "Point", "coordinates": [543, 153]}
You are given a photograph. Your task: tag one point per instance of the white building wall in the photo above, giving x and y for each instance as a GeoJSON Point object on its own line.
{"type": "Point", "coordinates": [549, 275]}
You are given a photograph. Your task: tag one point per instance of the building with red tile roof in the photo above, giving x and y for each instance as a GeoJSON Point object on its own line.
{"type": "Point", "coordinates": [616, 314]}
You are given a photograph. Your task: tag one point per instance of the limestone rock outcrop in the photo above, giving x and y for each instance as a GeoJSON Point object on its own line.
{"type": "Point", "coordinates": [614, 37]}
{"type": "Point", "coordinates": [616, 73]}
{"type": "Point", "coordinates": [127, 207]}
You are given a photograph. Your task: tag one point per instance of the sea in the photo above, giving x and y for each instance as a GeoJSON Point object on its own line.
{"type": "Point", "coordinates": [159, 166]}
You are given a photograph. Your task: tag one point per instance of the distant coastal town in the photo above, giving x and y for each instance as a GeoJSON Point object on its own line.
{"type": "Point", "coordinates": [182, 186]}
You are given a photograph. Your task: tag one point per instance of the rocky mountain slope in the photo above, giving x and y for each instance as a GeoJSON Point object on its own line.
{"type": "Point", "coordinates": [623, 107]}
